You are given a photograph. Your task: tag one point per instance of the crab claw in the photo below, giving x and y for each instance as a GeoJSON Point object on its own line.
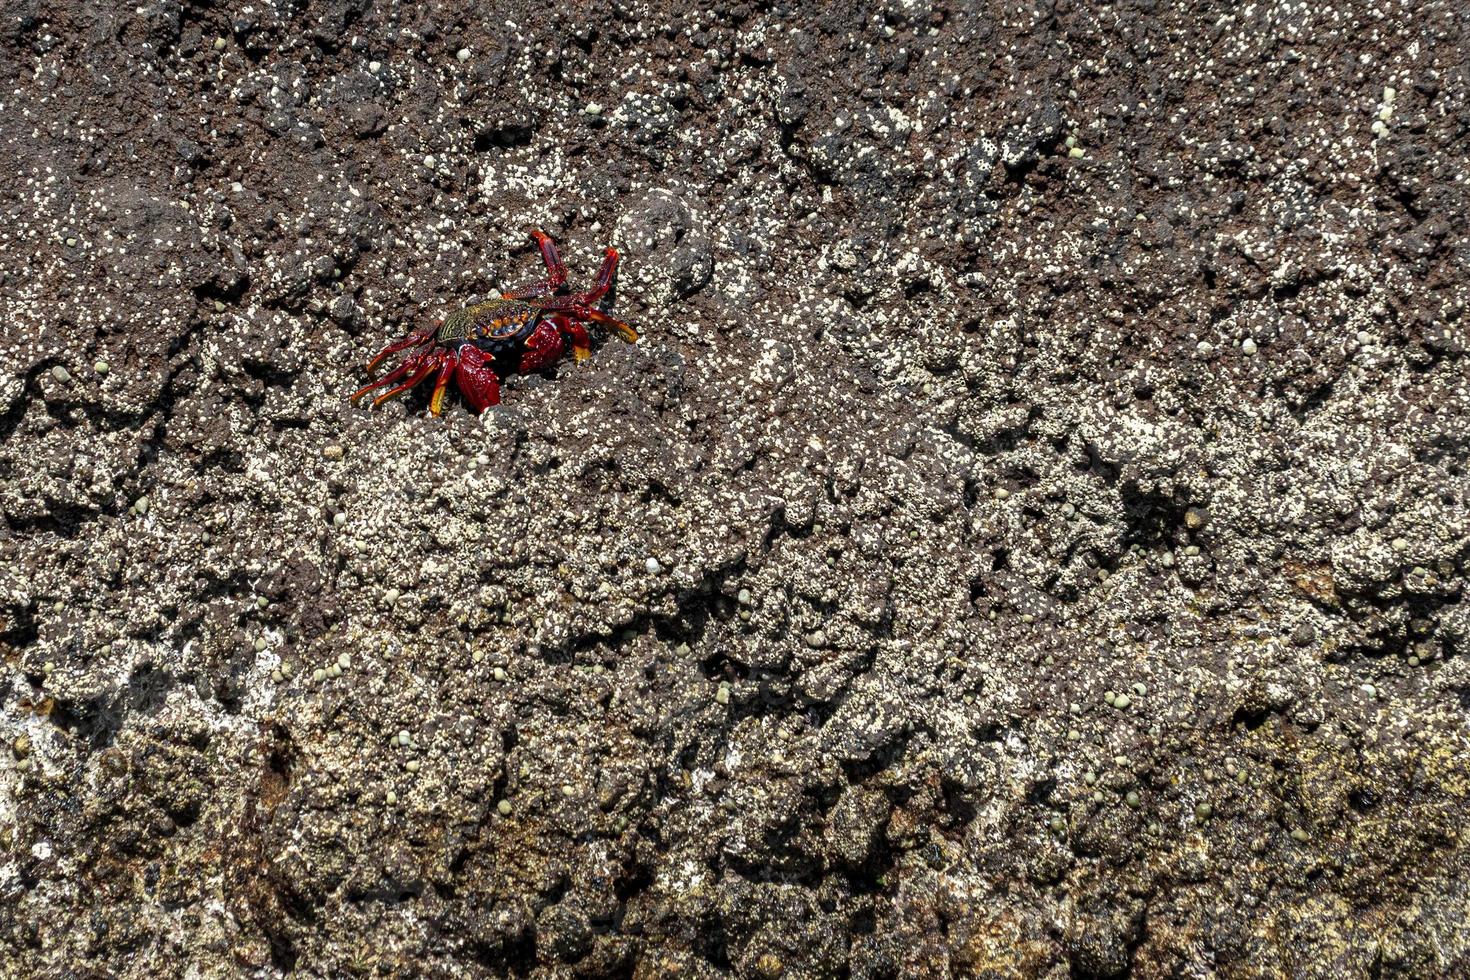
{"type": "Point", "coordinates": [477, 382]}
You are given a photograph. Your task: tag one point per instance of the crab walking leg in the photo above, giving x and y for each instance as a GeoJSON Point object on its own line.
{"type": "Point", "coordinates": [612, 323]}
{"type": "Point", "coordinates": [436, 401]}
{"type": "Point", "coordinates": [422, 372]}
{"type": "Point", "coordinates": [573, 335]}
{"type": "Point", "coordinates": [604, 278]}
{"type": "Point", "coordinates": [537, 290]}
{"type": "Point", "coordinates": [412, 340]}
{"type": "Point", "coordinates": [599, 288]}
{"type": "Point", "coordinates": [409, 363]}
{"type": "Point", "coordinates": [556, 272]}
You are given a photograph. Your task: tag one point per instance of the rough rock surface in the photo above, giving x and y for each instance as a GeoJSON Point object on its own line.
{"type": "Point", "coordinates": [1030, 540]}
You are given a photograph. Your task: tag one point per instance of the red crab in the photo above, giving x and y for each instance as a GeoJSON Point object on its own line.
{"type": "Point", "coordinates": [524, 331]}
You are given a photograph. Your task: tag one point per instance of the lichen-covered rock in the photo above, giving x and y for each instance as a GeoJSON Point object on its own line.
{"type": "Point", "coordinates": [1029, 540]}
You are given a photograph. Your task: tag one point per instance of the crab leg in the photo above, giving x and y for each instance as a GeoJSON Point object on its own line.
{"type": "Point", "coordinates": [436, 402]}
{"type": "Point", "coordinates": [599, 288]}
{"type": "Point", "coordinates": [418, 375]}
{"type": "Point", "coordinates": [604, 278]}
{"type": "Point", "coordinates": [412, 340]}
{"type": "Point", "coordinates": [574, 335]}
{"type": "Point", "coordinates": [534, 291]}
{"type": "Point", "coordinates": [556, 272]}
{"type": "Point", "coordinates": [613, 323]}
{"type": "Point", "coordinates": [408, 365]}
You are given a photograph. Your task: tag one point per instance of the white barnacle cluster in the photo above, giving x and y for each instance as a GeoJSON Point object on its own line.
{"type": "Point", "coordinates": [1385, 110]}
